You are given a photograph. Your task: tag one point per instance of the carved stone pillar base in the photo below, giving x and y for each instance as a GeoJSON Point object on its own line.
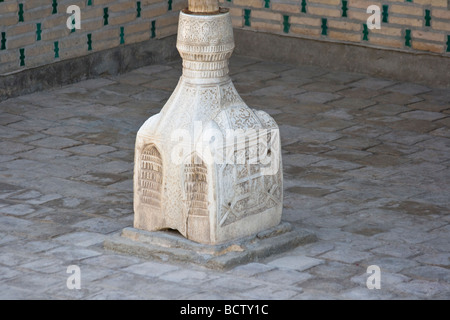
{"type": "Point", "coordinates": [207, 165]}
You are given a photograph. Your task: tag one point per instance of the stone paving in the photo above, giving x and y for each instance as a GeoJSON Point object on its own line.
{"type": "Point", "coordinates": [366, 168]}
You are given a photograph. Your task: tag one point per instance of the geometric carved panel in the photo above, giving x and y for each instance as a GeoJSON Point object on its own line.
{"type": "Point", "coordinates": [151, 177]}
{"type": "Point", "coordinates": [196, 187]}
{"type": "Point", "coordinates": [253, 192]}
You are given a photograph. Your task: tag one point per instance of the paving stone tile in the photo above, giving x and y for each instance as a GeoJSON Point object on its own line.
{"type": "Point", "coordinates": [47, 265]}
{"type": "Point", "coordinates": [68, 130]}
{"type": "Point", "coordinates": [99, 225]}
{"type": "Point", "coordinates": [72, 253]}
{"type": "Point", "coordinates": [387, 109]}
{"type": "Point", "coordinates": [108, 294]}
{"type": "Point", "coordinates": [262, 102]}
{"type": "Point", "coordinates": [437, 244]}
{"type": "Point", "coordinates": [401, 235]}
{"type": "Point", "coordinates": [342, 77]}
{"type": "Point", "coordinates": [298, 263]}
{"type": "Point", "coordinates": [112, 260]}
{"type": "Point", "coordinates": [15, 258]}
{"type": "Point", "coordinates": [421, 288]}
{"type": "Point", "coordinates": [8, 273]}
{"type": "Point", "coordinates": [102, 179]}
{"type": "Point", "coordinates": [360, 92]}
{"type": "Point", "coordinates": [113, 167]}
{"type": "Point", "coordinates": [432, 106]}
{"type": "Point", "coordinates": [330, 125]}
{"type": "Point", "coordinates": [304, 71]}
{"type": "Point", "coordinates": [7, 158]}
{"type": "Point", "coordinates": [423, 115]}
{"type": "Point", "coordinates": [44, 199]}
{"type": "Point", "coordinates": [55, 143]}
{"type": "Point", "coordinates": [18, 209]}
{"type": "Point", "coordinates": [8, 118]}
{"type": "Point", "coordinates": [188, 277]}
{"type": "Point", "coordinates": [37, 282]}
{"type": "Point", "coordinates": [128, 282]}
{"type": "Point", "coordinates": [82, 239]}
{"type": "Point", "coordinates": [270, 292]}
{"type": "Point", "coordinates": [394, 149]}
{"type": "Point", "coordinates": [372, 83]}
{"type": "Point", "coordinates": [310, 191]}
{"type": "Point", "coordinates": [275, 91]}
{"type": "Point", "coordinates": [7, 238]}
{"type": "Point", "coordinates": [352, 103]}
{"type": "Point", "coordinates": [323, 86]}
{"type": "Point", "coordinates": [336, 165]}
{"type": "Point", "coordinates": [335, 270]}
{"type": "Point", "coordinates": [8, 147]}
{"type": "Point", "coordinates": [26, 195]}
{"type": "Point", "coordinates": [323, 221]}
{"type": "Point", "coordinates": [36, 246]}
{"type": "Point", "coordinates": [251, 269]}
{"type": "Point", "coordinates": [436, 156]}
{"type": "Point", "coordinates": [122, 88]}
{"type": "Point", "coordinates": [327, 288]}
{"type": "Point", "coordinates": [151, 269]}
{"type": "Point", "coordinates": [437, 143]}
{"type": "Point", "coordinates": [397, 98]}
{"type": "Point", "coordinates": [90, 149]}
{"type": "Point", "coordinates": [61, 293]}
{"type": "Point", "coordinates": [314, 249]}
{"type": "Point", "coordinates": [339, 113]}
{"type": "Point", "coordinates": [302, 147]}
{"type": "Point", "coordinates": [304, 110]}
{"type": "Point", "coordinates": [438, 259]}
{"type": "Point", "coordinates": [133, 78]}
{"type": "Point", "coordinates": [268, 66]}
{"type": "Point", "coordinates": [67, 188]}
{"type": "Point", "coordinates": [366, 294]}
{"type": "Point", "coordinates": [398, 250]}
{"type": "Point", "coordinates": [253, 76]}
{"type": "Point", "coordinates": [235, 284]}
{"type": "Point", "coordinates": [381, 161]}
{"type": "Point", "coordinates": [93, 84]}
{"type": "Point", "coordinates": [284, 277]}
{"type": "Point", "coordinates": [317, 97]}
{"type": "Point", "coordinates": [357, 143]}
{"type": "Point", "coordinates": [404, 137]}
{"type": "Point", "coordinates": [431, 273]}
{"type": "Point", "coordinates": [202, 295]}
{"type": "Point", "coordinates": [8, 223]}
{"type": "Point", "coordinates": [345, 254]}
{"type": "Point", "coordinates": [348, 155]}
{"type": "Point", "coordinates": [408, 88]}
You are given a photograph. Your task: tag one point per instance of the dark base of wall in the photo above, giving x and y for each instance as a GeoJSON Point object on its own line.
{"type": "Point", "coordinates": [108, 62]}
{"type": "Point", "coordinates": [429, 69]}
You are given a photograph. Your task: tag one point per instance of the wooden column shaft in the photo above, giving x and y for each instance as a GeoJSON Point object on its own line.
{"type": "Point", "coordinates": [203, 6]}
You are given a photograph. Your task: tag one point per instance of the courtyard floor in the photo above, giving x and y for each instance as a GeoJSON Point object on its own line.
{"type": "Point", "coordinates": [366, 169]}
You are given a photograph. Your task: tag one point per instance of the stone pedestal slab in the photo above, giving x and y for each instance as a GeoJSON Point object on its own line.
{"type": "Point", "coordinates": [172, 246]}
